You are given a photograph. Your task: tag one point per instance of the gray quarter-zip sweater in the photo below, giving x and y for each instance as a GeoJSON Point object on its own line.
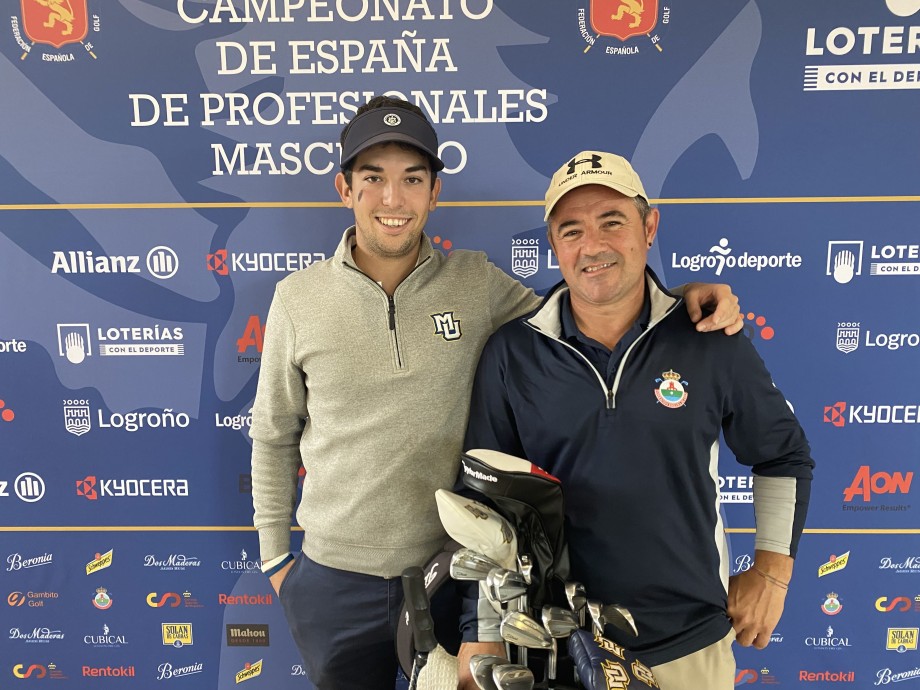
{"type": "Point", "coordinates": [371, 393]}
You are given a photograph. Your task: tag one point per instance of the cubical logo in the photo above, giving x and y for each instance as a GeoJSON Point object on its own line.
{"type": "Point", "coordinates": [866, 483]}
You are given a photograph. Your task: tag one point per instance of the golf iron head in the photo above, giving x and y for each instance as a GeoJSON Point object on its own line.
{"type": "Point", "coordinates": [505, 585]}
{"type": "Point", "coordinates": [578, 599]}
{"type": "Point", "coordinates": [481, 669]}
{"type": "Point", "coordinates": [470, 565]}
{"type": "Point", "coordinates": [614, 614]}
{"type": "Point", "coordinates": [522, 630]}
{"type": "Point", "coordinates": [512, 677]}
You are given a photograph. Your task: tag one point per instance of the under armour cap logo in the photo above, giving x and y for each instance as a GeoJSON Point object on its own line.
{"type": "Point", "coordinates": [392, 119]}
{"type": "Point", "coordinates": [594, 160]}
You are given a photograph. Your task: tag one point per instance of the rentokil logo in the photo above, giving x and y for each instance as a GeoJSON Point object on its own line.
{"type": "Point", "coordinates": [721, 256]}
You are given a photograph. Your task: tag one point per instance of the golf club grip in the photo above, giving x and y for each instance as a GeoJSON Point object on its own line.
{"type": "Point", "coordinates": [418, 606]}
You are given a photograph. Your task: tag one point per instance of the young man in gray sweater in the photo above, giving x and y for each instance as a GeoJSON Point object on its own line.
{"type": "Point", "coordinates": [366, 373]}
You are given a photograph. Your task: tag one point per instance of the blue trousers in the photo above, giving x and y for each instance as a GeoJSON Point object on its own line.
{"type": "Point", "coordinates": [344, 624]}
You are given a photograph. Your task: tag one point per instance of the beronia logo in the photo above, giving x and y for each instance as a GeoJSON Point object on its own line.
{"type": "Point", "coordinates": [886, 676]}
{"type": "Point", "coordinates": [721, 257]}
{"type": "Point", "coordinates": [166, 671]}
{"type": "Point", "coordinates": [161, 263]}
{"type": "Point", "coordinates": [222, 262]}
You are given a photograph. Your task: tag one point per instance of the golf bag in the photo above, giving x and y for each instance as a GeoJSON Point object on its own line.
{"type": "Point", "coordinates": [602, 664]}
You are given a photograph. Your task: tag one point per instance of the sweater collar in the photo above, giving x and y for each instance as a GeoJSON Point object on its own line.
{"type": "Point", "coordinates": [547, 318]}
{"type": "Point", "coordinates": [343, 253]}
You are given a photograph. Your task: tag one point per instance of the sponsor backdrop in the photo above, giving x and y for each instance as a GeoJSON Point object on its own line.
{"type": "Point", "coordinates": [165, 162]}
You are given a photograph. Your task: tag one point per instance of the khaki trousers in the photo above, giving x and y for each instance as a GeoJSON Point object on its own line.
{"type": "Point", "coordinates": [711, 668]}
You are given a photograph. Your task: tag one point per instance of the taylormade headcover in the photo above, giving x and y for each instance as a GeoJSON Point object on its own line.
{"type": "Point", "coordinates": [478, 527]}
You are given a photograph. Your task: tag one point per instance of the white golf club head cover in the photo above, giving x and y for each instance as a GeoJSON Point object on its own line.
{"type": "Point", "coordinates": [478, 527]}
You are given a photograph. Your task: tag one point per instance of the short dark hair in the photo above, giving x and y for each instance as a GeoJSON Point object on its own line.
{"type": "Point", "coordinates": [387, 102]}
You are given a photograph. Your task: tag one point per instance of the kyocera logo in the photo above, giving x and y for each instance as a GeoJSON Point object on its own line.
{"type": "Point", "coordinates": [841, 413]}
{"type": "Point", "coordinates": [865, 484]}
{"type": "Point", "coordinates": [169, 599]}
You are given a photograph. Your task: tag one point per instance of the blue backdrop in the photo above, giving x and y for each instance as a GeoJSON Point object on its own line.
{"type": "Point", "coordinates": [165, 162]}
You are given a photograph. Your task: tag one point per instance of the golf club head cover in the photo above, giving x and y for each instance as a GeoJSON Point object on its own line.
{"type": "Point", "coordinates": [603, 664]}
{"type": "Point", "coordinates": [477, 526]}
{"type": "Point", "coordinates": [532, 500]}
{"type": "Point", "coordinates": [435, 573]}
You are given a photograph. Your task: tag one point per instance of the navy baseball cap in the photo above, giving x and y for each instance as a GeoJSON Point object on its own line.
{"type": "Point", "coordinates": [382, 125]}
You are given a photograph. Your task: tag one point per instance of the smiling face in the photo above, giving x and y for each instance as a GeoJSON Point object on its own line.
{"type": "Point", "coordinates": [601, 244]}
{"type": "Point", "coordinates": [391, 194]}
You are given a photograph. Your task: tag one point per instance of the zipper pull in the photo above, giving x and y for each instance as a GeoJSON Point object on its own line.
{"type": "Point", "coordinates": [611, 403]}
{"type": "Point", "coordinates": [392, 313]}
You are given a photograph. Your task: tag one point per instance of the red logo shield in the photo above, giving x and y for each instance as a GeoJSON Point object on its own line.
{"type": "Point", "coordinates": [624, 18]}
{"type": "Point", "coordinates": [55, 22]}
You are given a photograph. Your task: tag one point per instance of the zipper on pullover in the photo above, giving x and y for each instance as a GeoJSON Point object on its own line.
{"type": "Point", "coordinates": [391, 304]}
{"type": "Point", "coordinates": [609, 393]}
